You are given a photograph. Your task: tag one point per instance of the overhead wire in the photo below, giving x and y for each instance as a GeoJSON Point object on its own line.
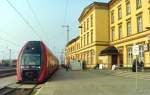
{"type": "Point", "coordinates": [13, 43]}
{"type": "Point", "coordinates": [25, 21]}
{"type": "Point", "coordinates": [40, 25]}
{"type": "Point", "coordinates": [7, 34]}
{"type": "Point", "coordinates": [36, 17]}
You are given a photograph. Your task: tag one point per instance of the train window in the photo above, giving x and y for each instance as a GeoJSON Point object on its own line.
{"type": "Point", "coordinates": [30, 59]}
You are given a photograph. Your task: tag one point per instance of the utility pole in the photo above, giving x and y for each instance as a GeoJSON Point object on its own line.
{"type": "Point", "coordinates": [67, 27]}
{"type": "Point", "coordinates": [10, 57]}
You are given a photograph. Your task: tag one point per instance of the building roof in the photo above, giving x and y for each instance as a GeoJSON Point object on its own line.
{"type": "Point", "coordinates": [111, 1]}
{"type": "Point", "coordinates": [73, 40]}
{"type": "Point", "coordinates": [89, 7]}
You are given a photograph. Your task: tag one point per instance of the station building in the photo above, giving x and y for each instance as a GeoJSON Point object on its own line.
{"type": "Point", "coordinates": [108, 32]}
{"type": "Point", "coordinates": [93, 36]}
{"type": "Point", "coordinates": [127, 25]}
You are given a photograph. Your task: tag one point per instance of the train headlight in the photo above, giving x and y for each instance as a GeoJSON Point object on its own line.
{"type": "Point", "coordinates": [38, 67]}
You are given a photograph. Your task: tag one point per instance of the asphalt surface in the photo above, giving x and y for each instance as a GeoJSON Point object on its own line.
{"type": "Point", "coordinates": [7, 80]}
{"type": "Point", "coordinates": [94, 82]}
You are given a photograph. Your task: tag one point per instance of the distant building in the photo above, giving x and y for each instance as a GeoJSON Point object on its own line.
{"type": "Point", "coordinates": [93, 35]}
{"type": "Point", "coordinates": [7, 62]}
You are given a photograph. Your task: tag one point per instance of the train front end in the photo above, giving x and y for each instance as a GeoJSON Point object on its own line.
{"type": "Point", "coordinates": [29, 62]}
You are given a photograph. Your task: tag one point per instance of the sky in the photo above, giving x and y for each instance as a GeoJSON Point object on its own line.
{"type": "Point", "coordinates": [25, 20]}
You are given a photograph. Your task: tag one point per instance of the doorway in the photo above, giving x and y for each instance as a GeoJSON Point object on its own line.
{"type": "Point", "coordinates": [114, 60]}
{"type": "Point", "coordinates": [120, 58]}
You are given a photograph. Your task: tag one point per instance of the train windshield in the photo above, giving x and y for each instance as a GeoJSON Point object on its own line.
{"type": "Point", "coordinates": [30, 59]}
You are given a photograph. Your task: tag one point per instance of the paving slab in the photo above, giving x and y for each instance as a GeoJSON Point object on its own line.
{"type": "Point", "coordinates": [7, 80]}
{"type": "Point", "coordinates": [93, 82]}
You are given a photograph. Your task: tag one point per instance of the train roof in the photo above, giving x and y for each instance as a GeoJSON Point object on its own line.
{"type": "Point", "coordinates": [37, 43]}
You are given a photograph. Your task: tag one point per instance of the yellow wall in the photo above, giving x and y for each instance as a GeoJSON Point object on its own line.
{"type": "Point", "coordinates": [91, 49]}
{"type": "Point", "coordinates": [102, 33]}
{"type": "Point", "coordinates": [135, 38]}
{"type": "Point", "coordinates": [101, 23]}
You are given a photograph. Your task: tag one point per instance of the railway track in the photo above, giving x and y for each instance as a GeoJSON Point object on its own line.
{"type": "Point", "coordinates": [7, 72]}
{"type": "Point", "coordinates": [19, 89]}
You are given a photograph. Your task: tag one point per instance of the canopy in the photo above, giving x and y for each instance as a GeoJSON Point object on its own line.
{"type": "Point", "coordinates": [111, 50]}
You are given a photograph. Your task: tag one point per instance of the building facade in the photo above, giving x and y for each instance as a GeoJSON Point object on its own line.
{"type": "Point", "coordinates": [119, 23]}
{"type": "Point", "coordinates": [93, 36]}
{"type": "Point", "coordinates": [128, 22]}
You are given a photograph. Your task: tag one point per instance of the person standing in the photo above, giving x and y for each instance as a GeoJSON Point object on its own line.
{"type": "Point", "coordinates": [67, 66]}
{"type": "Point", "coordinates": [83, 65]}
{"type": "Point", "coordinates": [142, 66]}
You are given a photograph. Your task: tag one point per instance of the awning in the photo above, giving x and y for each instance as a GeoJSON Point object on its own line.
{"type": "Point", "coordinates": [111, 50]}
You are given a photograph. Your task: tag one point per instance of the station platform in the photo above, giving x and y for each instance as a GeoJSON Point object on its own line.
{"type": "Point", "coordinates": [93, 82]}
{"type": "Point", "coordinates": [69, 83]}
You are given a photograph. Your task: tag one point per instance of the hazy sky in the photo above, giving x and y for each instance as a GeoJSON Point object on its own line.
{"type": "Point", "coordinates": [51, 14]}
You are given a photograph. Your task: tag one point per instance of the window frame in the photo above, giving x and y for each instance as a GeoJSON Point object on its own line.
{"type": "Point", "coordinates": [141, 24]}
{"type": "Point", "coordinates": [112, 17]}
{"type": "Point", "coordinates": [138, 4]}
{"type": "Point", "coordinates": [128, 8]}
{"type": "Point", "coordinates": [127, 23]}
{"type": "Point", "coordinates": [113, 33]}
{"type": "Point", "coordinates": [119, 12]}
{"type": "Point", "coordinates": [120, 31]}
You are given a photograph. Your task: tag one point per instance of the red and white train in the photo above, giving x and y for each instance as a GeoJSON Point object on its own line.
{"type": "Point", "coordinates": [36, 63]}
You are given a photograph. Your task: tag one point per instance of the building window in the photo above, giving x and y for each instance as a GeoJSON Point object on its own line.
{"type": "Point", "coordinates": [141, 53]}
{"type": "Point", "coordinates": [119, 12]}
{"type": "Point", "coordinates": [87, 38]}
{"type": "Point", "coordinates": [81, 41]}
{"type": "Point", "coordinates": [112, 17]}
{"type": "Point", "coordinates": [129, 31]}
{"type": "Point", "coordinates": [120, 31]}
{"type": "Point", "coordinates": [128, 8]}
{"type": "Point", "coordinates": [130, 55]}
{"type": "Point", "coordinates": [91, 20]}
{"type": "Point", "coordinates": [91, 36]}
{"type": "Point", "coordinates": [81, 28]}
{"type": "Point", "coordinates": [84, 40]}
{"type": "Point", "coordinates": [84, 27]}
{"type": "Point", "coordinates": [149, 15]}
{"type": "Point", "coordinates": [139, 23]}
{"type": "Point", "coordinates": [113, 34]}
{"type": "Point", "coordinates": [87, 24]}
{"type": "Point", "coordinates": [138, 4]}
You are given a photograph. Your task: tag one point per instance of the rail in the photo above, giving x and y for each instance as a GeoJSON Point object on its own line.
{"type": "Point", "coordinates": [18, 89]}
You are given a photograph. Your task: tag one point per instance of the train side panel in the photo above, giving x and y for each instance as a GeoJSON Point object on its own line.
{"type": "Point", "coordinates": [18, 71]}
{"type": "Point", "coordinates": [44, 69]}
